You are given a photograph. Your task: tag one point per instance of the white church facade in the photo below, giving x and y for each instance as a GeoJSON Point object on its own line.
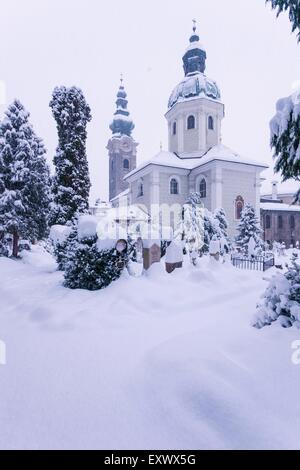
{"type": "Point", "coordinates": [196, 160]}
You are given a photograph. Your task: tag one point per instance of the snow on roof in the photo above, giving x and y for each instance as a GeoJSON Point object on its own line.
{"type": "Point", "coordinates": [123, 194]}
{"type": "Point", "coordinates": [195, 45]}
{"type": "Point", "coordinates": [275, 206]}
{"type": "Point", "coordinates": [285, 188]}
{"type": "Point", "coordinates": [219, 152]}
{"type": "Point", "coordinates": [132, 212]}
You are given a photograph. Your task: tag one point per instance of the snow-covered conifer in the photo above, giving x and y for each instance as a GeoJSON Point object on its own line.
{"type": "Point", "coordinates": [211, 229]}
{"type": "Point", "coordinates": [220, 215]}
{"type": "Point", "coordinates": [24, 178]}
{"type": "Point", "coordinates": [248, 227]}
{"type": "Point", "coordinates": [71, 183]}
{"type": "Point", "coordinates": [281, 300]}
{"type": "Point", "coordinates": [285, 137]}
{"type": "Point", "coordinates": [293, 9]}
{"type": "Point", "coordinates": [193, 223]}
{"type": "Point", "coordinates": [37, 193]}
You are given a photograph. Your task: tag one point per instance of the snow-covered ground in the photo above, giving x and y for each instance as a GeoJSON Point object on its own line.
{"type": "Point", "coordinates": [162, 361]}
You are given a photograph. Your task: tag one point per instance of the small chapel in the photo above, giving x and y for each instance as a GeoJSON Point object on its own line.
{"type": "Point", "coordinates": [196, 159]}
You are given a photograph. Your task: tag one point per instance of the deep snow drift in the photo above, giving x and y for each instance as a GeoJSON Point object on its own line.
{"type": "Point", "coordinates": [162, 361]}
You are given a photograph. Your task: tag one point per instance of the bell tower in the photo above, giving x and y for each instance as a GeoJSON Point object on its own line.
{"type": "Point", "coordinates": [195, 110]}
{"type": "Point", "coordinates": [122, 148]}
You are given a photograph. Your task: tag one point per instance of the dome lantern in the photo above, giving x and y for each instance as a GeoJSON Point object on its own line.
{"type": "Point", "coordinates": [195, 55]}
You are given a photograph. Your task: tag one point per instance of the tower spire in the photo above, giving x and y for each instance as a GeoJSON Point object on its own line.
{"type": "Point", "coordinates": [195, 56]}
{"type": "Point", "coordinates": [194, 25]}
{"type": "Point", "coordinates": [122, 124]}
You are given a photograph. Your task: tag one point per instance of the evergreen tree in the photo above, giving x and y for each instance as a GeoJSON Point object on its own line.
{"type": "Point", "coordinates": [248, 227]}
{"type": "Point", "coordinates": [15, 156]}
{"type": "Point", "coordinates": [211, 229]}
{"type": "Point", "coordinates": [199, 225]}
{"type": "Point", "coordinates": [24, 179]}
{"type": "Point", "coordinates": [37, 193]}
{"type": "Point", "coordinates": [193, 223]}
{"type": "Point", "coordinates": [71, 183]}
{"type": "Point", "coordinates": [285, 138]}
{"type": "Point", "coordinates": [293, 9]}
{"type": "Point", "coordinates": [220, 216]}
{"type": "Point", "coordinates": [281, 300]}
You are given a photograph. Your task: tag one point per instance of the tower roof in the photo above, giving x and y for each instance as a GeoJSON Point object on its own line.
{"type": "Point", "coordinates": [195, 55]}
{"type": "Point", "coordinates": [195, 84]}
{"type": "Point", "coordinates": [122, 124]}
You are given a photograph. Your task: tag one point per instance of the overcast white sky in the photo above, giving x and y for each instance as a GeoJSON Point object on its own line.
{"type": "Point", "coordinates": [44, 43]}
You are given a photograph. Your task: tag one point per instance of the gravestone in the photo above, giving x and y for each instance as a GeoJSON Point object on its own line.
{"type": "Point", "coordinates": [174, 257]}
{"type": "Point", "coordinates": [151, 255]}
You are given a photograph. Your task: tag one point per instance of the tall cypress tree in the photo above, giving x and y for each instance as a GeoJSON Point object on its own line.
{"type": "Point", "coordinates": [15, 155]}
{"type": "Point", "coordinates": [71, 183]}
{"type": "Point", "coordinates": [37, 193]}
{"type": "Point", "coordinates": [24, 178]}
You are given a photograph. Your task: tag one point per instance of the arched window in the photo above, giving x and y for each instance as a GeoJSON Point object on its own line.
{"type": "Point", "coordinates": [191, 123]}
{"type": "Point", "coordinates": [140, 189]}
{"type": "Point", "coordinates": [268, 221]}
{"type": "Point", "coordinates": [126, 164]}
{"type": "Point", "coordinates": [292, 222]}
{"type": "Point", "coordinates": [280, 222]}
{"type": "Point", "coordinates": [202, 189]}
{"type": "Point", "coordinates": [174, 128]}
{"type": "Point", "coordinates": [210, 123]}
{"type": "Point", "coordinates": [112, 164]}
{"type": "Point", "coordinates": [174, 189]}
{"type": "Point", "coordinates": [239, 207]}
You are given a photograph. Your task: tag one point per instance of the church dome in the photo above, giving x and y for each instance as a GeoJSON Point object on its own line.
{"type": "Point", "coordinates": [194, 86]}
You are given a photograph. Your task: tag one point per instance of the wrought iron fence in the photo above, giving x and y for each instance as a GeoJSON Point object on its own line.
{"type": "Point", "coordinates": [254, 263]}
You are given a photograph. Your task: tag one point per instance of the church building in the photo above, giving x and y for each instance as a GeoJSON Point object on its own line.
{"type": "Point", "coordinates": [196, 160]}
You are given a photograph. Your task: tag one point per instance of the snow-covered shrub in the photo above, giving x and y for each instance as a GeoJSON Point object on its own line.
{"type": "Point", "coordinates": [87, 226]}
{"type": "Point", "coordinates": [281, 300]}
{"type": "Point", "coordinates": [87, 267]}
{"type": "Point", "coordinates": [61, 236]}
{"type": "Point", "coordinates": [248, 227]}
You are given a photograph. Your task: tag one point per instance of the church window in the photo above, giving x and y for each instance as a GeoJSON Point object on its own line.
{"type": "Point", "coordinates": [191, 122]}
{"type": "Point", "coordinates": [280, 221]}
{"type": "Point", "coordinates": [239, 207]}
{"type": "Point", "coordinates": [112, 164]}
{"type": "Point", "coordinates": [203, 189]}
{"type": "Point", "coordinates": [210, 123]}
{"type": "Point", "coordinates": [174, 128]}
{"type": "Point", "coordinates": [268, 221]}
{"type": "Point", "coordinates": [292, 222]}
{"type": "Point", "coordinates": [141, 189]}
{"type": "Point", "coordinates": [126, 164]}
{"type": "Point", "coordinates": [174, 189]}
